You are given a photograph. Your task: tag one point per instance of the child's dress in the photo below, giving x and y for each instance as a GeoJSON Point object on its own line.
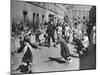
{"type": "Point", "coordinates": [27, 57]}
{"type": "Point", "coordinates": [64, 49]}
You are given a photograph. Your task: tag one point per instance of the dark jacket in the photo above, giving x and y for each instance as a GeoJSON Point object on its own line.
{"type": "Point", "coordinates": [50, 28]}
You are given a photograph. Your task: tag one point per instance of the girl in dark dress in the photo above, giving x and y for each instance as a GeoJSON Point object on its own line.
{"type": "Point", "coordinates": [26, 47]}
{"type": "Point", "coordinates": [65, 53]}
{"type": "Point", "coordinates": [27, 59]}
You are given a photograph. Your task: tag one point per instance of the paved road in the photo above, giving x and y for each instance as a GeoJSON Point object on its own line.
{"type": "Point", "coordinates": [41, 61]}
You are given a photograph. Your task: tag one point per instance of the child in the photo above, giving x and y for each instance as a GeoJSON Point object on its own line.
{"type": "Point", "coordinates": [46, 37]}
{"type": "Point", "coordinates": [65, 53]}
{"type": "Point", "coordinates": [85, 42]}
{"type": "Point", "coordinates": [22, 45]}
{"type": "Point", "coordinates": [37, 36]}
{"type": "Point", "coordinates": [28, 57]}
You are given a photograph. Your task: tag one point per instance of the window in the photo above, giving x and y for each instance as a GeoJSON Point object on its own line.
{"type": "Point", "coordinates": [33, 14]}
{"type": "Point", "coordinates": [33, 17]}
{"type": "Point", "coordinates": [24, 13]}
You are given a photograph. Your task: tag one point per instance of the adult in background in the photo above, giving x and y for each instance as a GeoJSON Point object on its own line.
{"type": "Point", "coordinates": [50, 31]}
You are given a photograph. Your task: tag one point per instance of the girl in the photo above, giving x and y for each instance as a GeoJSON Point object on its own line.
{"type": "Point", "coordinates": [65, 53]}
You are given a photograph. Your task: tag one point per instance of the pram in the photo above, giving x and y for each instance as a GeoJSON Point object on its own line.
{"type": "Point", "coordinates": [81, 49]}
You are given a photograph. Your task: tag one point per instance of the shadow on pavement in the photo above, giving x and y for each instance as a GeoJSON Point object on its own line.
{"type": "Point", "coordinates": [58, 60]}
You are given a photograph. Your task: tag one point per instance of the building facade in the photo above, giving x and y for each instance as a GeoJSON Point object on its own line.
{"type": "Point", "coordinates": [92, 15]}
{"type": "Point", "coordinates": [33, 8]}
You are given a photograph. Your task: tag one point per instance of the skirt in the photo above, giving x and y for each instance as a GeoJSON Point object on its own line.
{"type": "Point", "coordinates": [64, 50]}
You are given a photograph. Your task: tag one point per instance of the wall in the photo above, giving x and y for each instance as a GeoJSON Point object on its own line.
{"type": "Point", "coordinates": [92, 15]}
{"type": "Point", "coordinates": [80, 13]}
{"type": "Point", "coordinates": [17, 11]}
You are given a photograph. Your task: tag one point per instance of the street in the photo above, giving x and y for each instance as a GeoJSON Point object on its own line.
{"type": "Point", "coordinates": [42, 63]}
{"type": "Point", "coordinates": [52, 37]}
